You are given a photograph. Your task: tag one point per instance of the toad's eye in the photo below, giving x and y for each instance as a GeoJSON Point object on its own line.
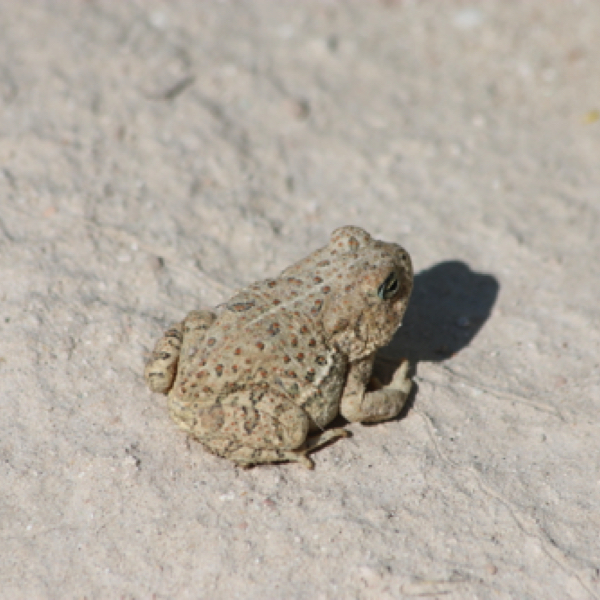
{"type": "Point", "coordinates": [389, 288]}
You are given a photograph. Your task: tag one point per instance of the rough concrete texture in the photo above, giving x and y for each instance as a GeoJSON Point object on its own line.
{"type": "Point", "coordinates": [155, 156]}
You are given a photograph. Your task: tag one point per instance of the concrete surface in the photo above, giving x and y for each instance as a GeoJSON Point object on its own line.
{"type": "Point", "coordinates": [155, 156]}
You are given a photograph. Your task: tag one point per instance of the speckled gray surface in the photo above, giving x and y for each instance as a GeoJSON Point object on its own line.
{"type": "Point", "coordinates": [155, 156]}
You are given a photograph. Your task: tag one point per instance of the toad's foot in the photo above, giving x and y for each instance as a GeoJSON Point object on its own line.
{"type": "Point", "coordinates": [312, 443]}
{"type": "Point", "coordinates": [247, 457]}
{"type": "Point", "coordinates": [162, 367]}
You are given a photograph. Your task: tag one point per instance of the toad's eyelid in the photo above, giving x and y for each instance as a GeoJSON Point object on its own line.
{"type": "Point", "coordinates": [389, 287]}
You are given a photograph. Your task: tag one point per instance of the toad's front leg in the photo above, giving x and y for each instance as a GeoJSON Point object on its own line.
{"type": "Point", "coordinates": [358, 404]}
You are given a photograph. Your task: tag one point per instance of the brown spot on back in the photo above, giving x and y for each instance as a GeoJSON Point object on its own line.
{"type": "Point", "coordinates": [211, 341]}
{"type": "Point", "coordinates": [241, 306]}
{"type": "Point", "coordinates": [260, 345]}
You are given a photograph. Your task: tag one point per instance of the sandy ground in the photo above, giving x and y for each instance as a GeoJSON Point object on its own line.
{"type": "Point", "coordinates": [156, 156]}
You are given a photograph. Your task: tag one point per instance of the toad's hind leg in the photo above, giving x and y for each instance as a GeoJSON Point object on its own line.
{"type": "Point", "coordinates": [195, 326]}
{"type": "Point", "coordinates": [161, 368]}
{"type": "Point", "coordinates": [250, 427]}
{"type": "Point", "coordinates": [248, 456]}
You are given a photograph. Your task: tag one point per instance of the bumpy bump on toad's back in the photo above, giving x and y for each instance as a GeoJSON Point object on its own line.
{"type": "Point", "coordinates": [284, 356]}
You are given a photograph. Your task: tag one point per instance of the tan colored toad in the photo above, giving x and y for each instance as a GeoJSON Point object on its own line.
{"type": "Point", "coordinates": [284, 356]}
